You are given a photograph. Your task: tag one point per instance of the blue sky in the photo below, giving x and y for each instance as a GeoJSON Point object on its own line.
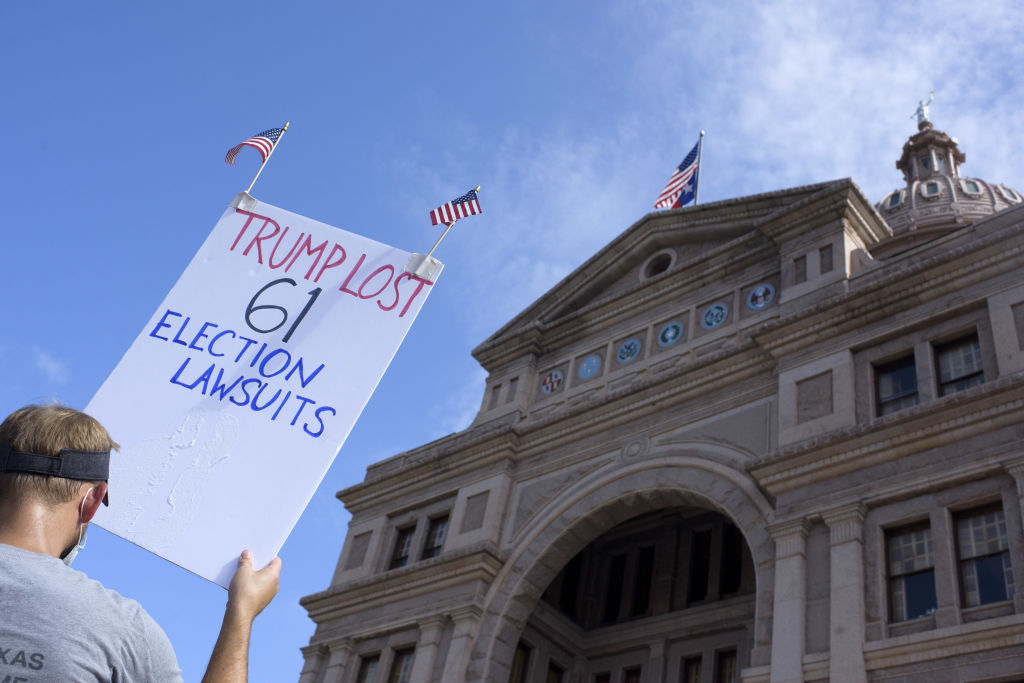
{"type": "Point", "coordinates": [571, 116]}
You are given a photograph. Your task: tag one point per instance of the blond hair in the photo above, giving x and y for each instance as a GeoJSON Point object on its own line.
{"type": "Point", "coordinates": [47, 430]}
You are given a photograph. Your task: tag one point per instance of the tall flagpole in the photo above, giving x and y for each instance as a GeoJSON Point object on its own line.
{"type": "Point", "coordinates": [268, 156]}
{"type": "Point", "coordinates": [700, 148]}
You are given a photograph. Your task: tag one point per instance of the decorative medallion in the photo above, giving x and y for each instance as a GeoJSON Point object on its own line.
{"type": "Point", "coordinates": [714, 316]}
{"type": "Point", "coordinates": [589, 366]}
{"type": "Point", "coordinates": [629, 350]}
{"type": "Point", "coordinates": [551, 382]}
{"type": "Point", "coordinates": [670, 334]}
{"type": "Point", "coordinates": [760, 296]}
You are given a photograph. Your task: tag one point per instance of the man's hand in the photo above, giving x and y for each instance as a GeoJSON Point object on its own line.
{"type": "Point", "coordinates": [250, 591]}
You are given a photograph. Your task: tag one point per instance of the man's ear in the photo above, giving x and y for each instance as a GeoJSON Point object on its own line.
{"type": "Point", "coordinates": [92, 501]}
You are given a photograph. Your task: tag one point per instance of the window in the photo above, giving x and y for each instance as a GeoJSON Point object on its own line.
{"type": "Point", "coordinates": [940, 164]}
{"type": "Point", "coordinates": [1009, 194]}
{"type": "Point", "coordinates": [972, 187]}
{"type": "Point", "coordinates": [403, 544]}
{"type": "Point", "coordinates": [799, 270]}
{"type": "Point", "coordinates": [896, 385]}
{"type": "Point", "coordinates": [911, 573]}
{"type": "Point", "coordinates": [368, 669]}
{"type": "Point", "coordinates": [700, 569]}
{"type": "Point", "coordinates": [931, 189]}
{"type": "Point", "coordinates": [690, 670]}
{"type": "Point", "coordinates": [959, 364]}
{"type": "Point", "coordinates": [495, 392]}
{"type": "Point", "coordinates": [435, 537]}
{"type": "Point", "coordinates": [511, 394]}
{"type": "Point", "coordinates": [401, 667]}
{"type": "Point", "coordinates": [725, 667]}
{"type": "Point", "coordinates": [926, 165]}
{"type": "Point", "coordinates": [613, 589]}
{"type": "Point", "coordinates": [555, 673]}
{"type": "Point", "coordinates": [894, 200]}
{"type": "Point", "coordinates": [520, 662]}
{"type": "Point", "coordinates": [731, 564]}
{"type": "Point", "coordinates": [631, 675]}
{"type": "Point", "coordinates": [642, 580]}
{"type": "Point", "coordinates": [985, 573]}
{"type": "Point", "coordinates": [825, 259]}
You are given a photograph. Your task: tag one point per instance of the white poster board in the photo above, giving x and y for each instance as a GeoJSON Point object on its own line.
{"type": "Point", "coordinates": [236, 396]}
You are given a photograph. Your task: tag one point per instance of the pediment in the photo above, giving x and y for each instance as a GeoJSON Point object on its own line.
{"type": "Point", "coordinates": [696, 238]}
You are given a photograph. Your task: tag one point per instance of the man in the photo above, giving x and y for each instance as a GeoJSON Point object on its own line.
{"type": "Point", "coordinates": [56, 624]}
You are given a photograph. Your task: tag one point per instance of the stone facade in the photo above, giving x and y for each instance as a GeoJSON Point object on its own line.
{"type": "Point", "coordinates": [748, 440]}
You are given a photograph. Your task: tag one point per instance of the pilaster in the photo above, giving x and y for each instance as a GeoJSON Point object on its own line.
{"type": "Point", "coordinates": [431, 629]}
{"type": "Point", "coordinates": [789, 607]}
{"type": "Point", "coordinates": [846, 601]}
{"type": "Point", "coordinates": [464, 625]}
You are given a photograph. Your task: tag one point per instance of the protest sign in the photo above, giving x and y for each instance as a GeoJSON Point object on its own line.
{"type": "Point", "coordinates": [236, 396]}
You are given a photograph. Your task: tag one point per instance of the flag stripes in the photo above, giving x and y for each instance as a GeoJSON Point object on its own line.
{"type": "Point", "coordinates": [682, 185]}
{"type": "Point", "coordinates": [461, 207]}
{"type": "Point", "coordinates": [262, 143]}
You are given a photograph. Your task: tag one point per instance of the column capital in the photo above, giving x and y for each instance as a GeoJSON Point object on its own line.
{"type": "Point", "coordinates": [343, 643]}
{"type": "Point", "coordinates": [433, 621]}
{"type": "Point", "coordinates": [1015, 468]}
{"type": "Point", "coordinates": [789, 536]}
{"type": "Point", "coordinates": [845, 522]}
{"type": "Point", "coordinates": [467, 613]}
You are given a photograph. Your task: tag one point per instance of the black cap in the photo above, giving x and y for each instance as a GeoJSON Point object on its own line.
{"type": "Point", "coordinates": [69, 464]}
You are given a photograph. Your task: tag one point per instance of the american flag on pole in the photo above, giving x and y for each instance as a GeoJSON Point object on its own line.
{"type": "Point", "coordinates": [682, 186]}
{"type": "Point", "coordinates": [263, 143]}
{"type": "Point", "coordinates": [460, 207]}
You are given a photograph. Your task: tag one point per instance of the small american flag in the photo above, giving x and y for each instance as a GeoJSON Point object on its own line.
{"type": "Point", "coordinates": [461, 207]}
{"type": "Point", "coordinates": [682, 186]}
{"type": "Point", "coordinates": [262, 143]}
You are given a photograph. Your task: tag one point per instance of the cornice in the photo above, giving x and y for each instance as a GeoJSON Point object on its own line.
{"type": "Point", "coordinates": [422, 579]}
{"type": "Point", "coordinates": [882, 292]}
{"type": "Point", "coordinates": [727, 219]}
{"type": "Point", "coordinates": [980, 409]}
{"type": "Point", "coordinates": [405, 472]}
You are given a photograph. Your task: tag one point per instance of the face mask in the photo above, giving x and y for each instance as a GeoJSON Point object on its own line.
{"type": "Point", "coordinates": [70, 554]}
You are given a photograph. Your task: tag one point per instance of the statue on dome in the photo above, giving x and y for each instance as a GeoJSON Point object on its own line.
{"type": "Point", "coordinates": [923, 110]}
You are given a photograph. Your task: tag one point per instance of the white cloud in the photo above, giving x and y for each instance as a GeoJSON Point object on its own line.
{"type": "Point", "coordinates": [790, 93]}
{"type": "Point", "coordinates": [55, 371]}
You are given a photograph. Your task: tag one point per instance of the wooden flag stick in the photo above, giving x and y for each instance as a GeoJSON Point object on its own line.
{"type": "Point", "coordinates": [268, 157]}
{"type": "Point", "coordinates": [449, 227]}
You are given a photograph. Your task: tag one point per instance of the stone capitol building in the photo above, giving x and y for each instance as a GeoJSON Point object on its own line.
{"type": "Point", "coordinates": [776, 438]}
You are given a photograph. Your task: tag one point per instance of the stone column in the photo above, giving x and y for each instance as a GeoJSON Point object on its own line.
{"type": "Point", "coordinates": [315, 657]}
{"type": "Point", "coordinates": [579, 670]}
{"type": "Point", "coordinates": [426, 649]}
{"type": "Point", "coordinates": [846, 587]}
{"type": "Point", "coordinates": [655, 662]}
{"type": "Point", "coordinates": [464, 624]}
{"type": "Point", "coordinates": [789, 607]}
{"type": "Point", "coordinates": [1016, 470]}
{"type": "Point", "coordinates": [333, 657]}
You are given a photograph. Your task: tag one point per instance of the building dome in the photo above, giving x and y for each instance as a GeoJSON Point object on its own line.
{"type": "Point", "coordinates": [936, 198]}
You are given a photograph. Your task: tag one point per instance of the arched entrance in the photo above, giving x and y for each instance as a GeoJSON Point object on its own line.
{"type": "Point", "coordinates": [682, 483]}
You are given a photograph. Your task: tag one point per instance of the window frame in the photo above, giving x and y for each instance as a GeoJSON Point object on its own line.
{"type": "Point", "coordinates": [890, 367]}
{"type": "Point", "coordinates": [429, 549]}
{"type": "Point", "coordinates": [947, 345]}
{"type": "Point", "coordinates": [1005, 552]}
{"type": "Point", "coordinates": [408, 533]}
{"type": "Point", "coordinates": [890, 578]}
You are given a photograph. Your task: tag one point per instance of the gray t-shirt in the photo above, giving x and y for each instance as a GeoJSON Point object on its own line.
{"type": "Point", "coordinates": [57, 624]}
